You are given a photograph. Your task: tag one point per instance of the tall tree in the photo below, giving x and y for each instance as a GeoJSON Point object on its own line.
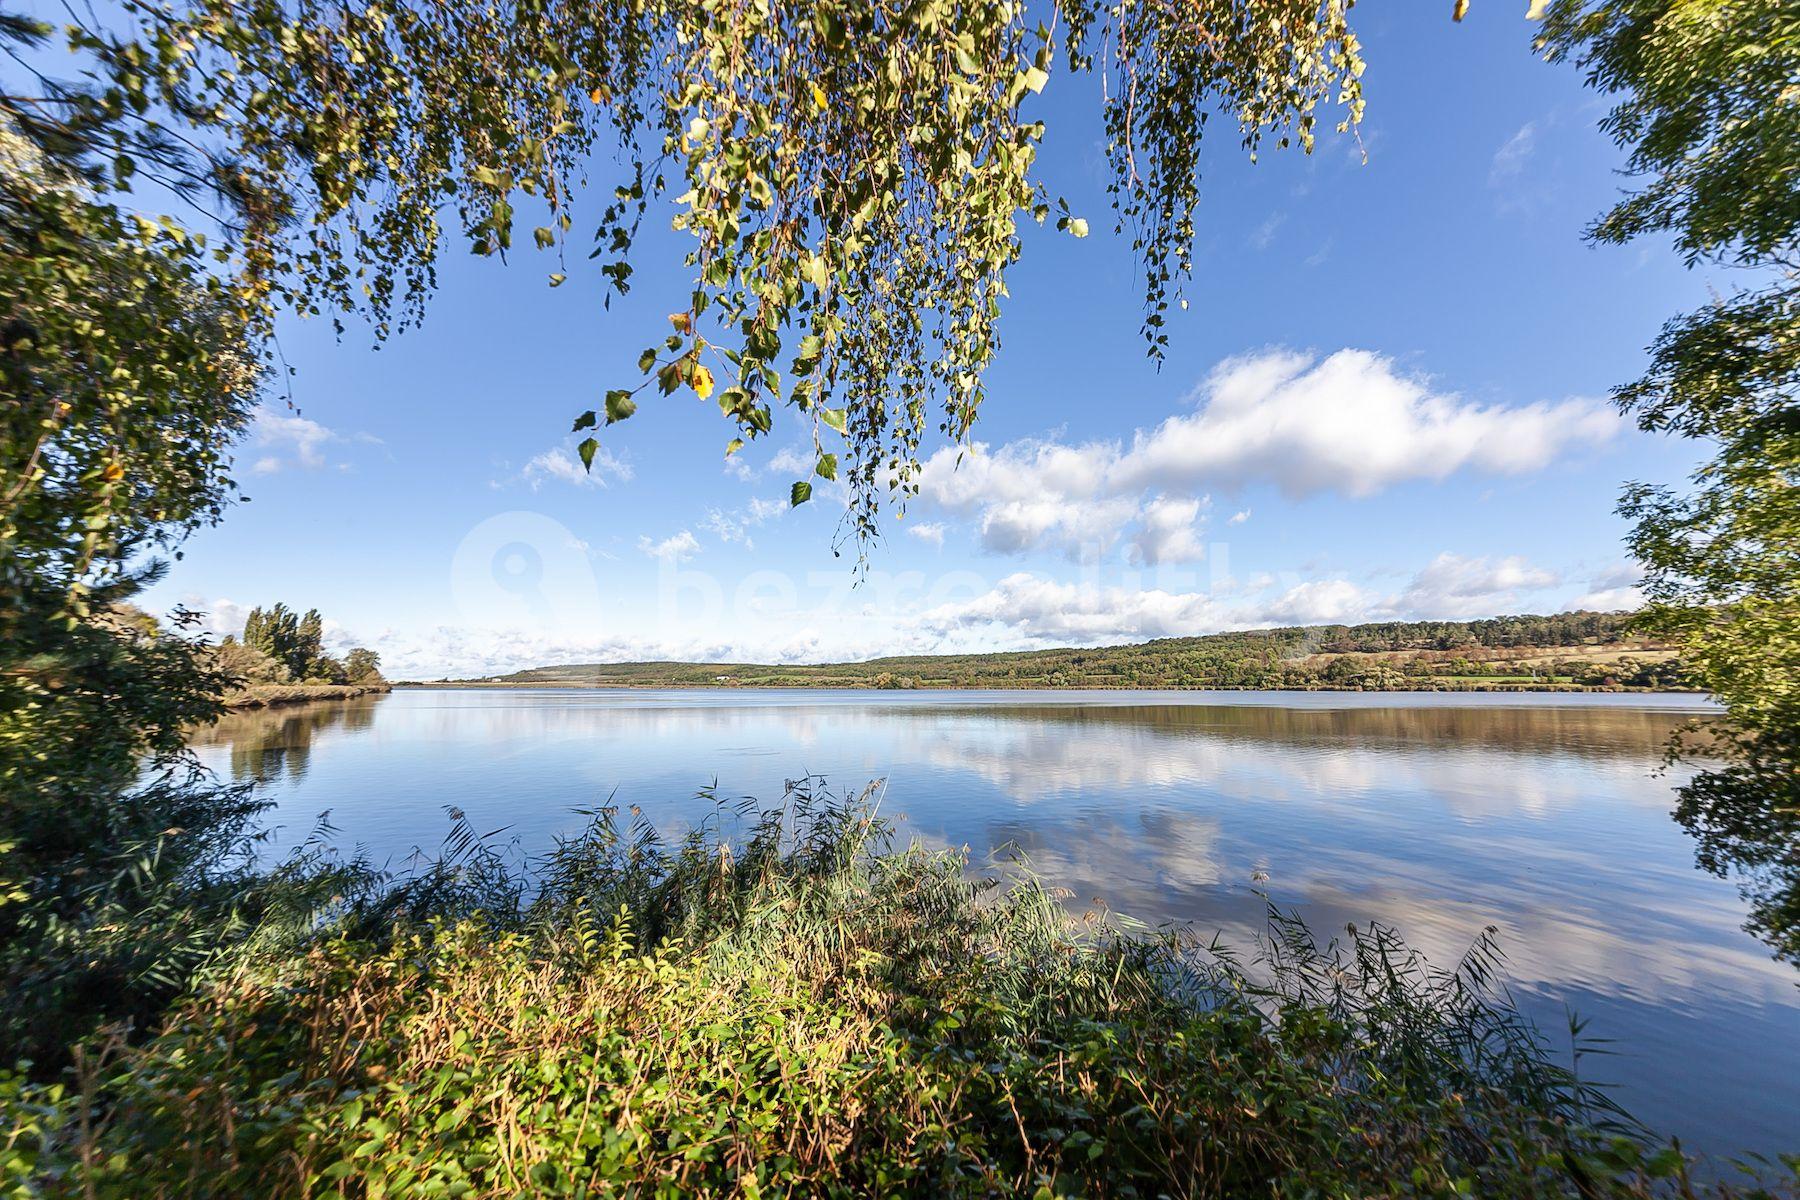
{"type": "Point", "coordinates": [362, 665]}
{"type": "Point", "coordinates": [125, 374]}
{"type": "Point", "coordinates": [1709, 108]}
{"type": "Point", "coordinates": [309, 643]}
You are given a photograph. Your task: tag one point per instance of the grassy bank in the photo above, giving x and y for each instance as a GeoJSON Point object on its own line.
{"type": "Point", "coordinates": [1578, 651]}
{"type": "Point", "coordinates": [802, 1012]}
{"type": "Point", "coordinates": [272, 695]}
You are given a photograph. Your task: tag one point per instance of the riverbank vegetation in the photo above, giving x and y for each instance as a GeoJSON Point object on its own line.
{"type": "Point", "coordinates": [804, 1010]}
{"type": "Point", "coordinates": [1566, 651]}
{"type": "Point", "coordinates": [280, 658]}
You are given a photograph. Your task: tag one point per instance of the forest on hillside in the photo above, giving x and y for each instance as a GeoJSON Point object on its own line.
{"type": "Point", "coordinates": [1566, 650]}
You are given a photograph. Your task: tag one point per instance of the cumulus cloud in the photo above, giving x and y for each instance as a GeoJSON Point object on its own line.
{"type": "Point", "coordinates": [288, 439]}
{"type": "Point", "coordinates": [1322, 602]}
{"type": "Point", "coordinates": [1026, 609]}
{"type": "Point", "coordinates": [1352, 423]}
{"type": "Point", "coordinates": [560, 465]}
{"type": "Point", "coordinates": [1035, 610]}
{"type": "Point", "coordinates": [1452, 587]}
{"type": "Point", "coordinates": [793, 460]}
{"type": "Point", "coordinates": [927, 531]}
{"type": "Point", "coordinates": [676, 548]}
{"type": "Point", "coordinates": [1168, 532]}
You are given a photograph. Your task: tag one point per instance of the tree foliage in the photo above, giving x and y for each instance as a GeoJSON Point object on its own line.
{"type": "Point", "coordinates": [295, 644]}
{"type": "Point", "coordinates": [1708, 106]}
{"type": "Point", "coordinates": [850, 174]}
{"type": "Point", "coordinates": [125, 373]}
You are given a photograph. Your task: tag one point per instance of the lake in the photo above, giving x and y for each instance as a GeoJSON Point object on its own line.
{"type": "Point", "coordinates": [1543, 815]}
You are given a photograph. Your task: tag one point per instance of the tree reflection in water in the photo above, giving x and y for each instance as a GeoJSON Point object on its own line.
{"type": "Point", "coordinates": [267, 744]}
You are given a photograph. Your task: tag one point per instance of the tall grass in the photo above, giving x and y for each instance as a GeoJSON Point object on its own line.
{"type": "Point", "coordinates": [781, 1002]}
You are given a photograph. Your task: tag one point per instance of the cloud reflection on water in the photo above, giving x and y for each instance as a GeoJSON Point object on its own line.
{"type": "Point", "coordinates": [1548, 821]}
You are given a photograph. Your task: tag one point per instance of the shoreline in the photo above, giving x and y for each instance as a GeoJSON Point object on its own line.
{"type": "Point", "coordinates": [851, 686]}
{"type": "Point", "coordinates": [277, 695]}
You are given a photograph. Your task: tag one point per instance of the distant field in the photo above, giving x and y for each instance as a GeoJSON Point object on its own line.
{"type": "Point", "coordinates": [1559, 652]}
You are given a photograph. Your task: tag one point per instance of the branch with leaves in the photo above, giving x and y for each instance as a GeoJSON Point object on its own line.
{"type": "Point", "coordinates": [850, 174]}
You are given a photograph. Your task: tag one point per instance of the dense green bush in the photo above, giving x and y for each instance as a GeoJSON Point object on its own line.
{"type": "Point", "coordinates": [807, 1014]}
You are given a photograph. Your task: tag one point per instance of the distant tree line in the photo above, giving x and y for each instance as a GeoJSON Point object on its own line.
{"type": "Point", "coordinates": [279, 645]}
{"type": "Point", "coordinates": [1560, 629]}
{"type": "Point", "coordinates": [1580, 649]}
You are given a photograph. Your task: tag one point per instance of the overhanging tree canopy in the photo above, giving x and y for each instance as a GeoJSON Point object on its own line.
{"type": "Point", "coordinates": [850, 173]}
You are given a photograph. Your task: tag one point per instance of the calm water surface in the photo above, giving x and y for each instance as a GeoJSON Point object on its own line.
{"type": "Point", "coordinates": [1441, 814]}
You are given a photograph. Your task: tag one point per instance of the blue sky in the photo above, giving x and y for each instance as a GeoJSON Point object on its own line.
{"type": "Point", "coordinates": [1387, 398]}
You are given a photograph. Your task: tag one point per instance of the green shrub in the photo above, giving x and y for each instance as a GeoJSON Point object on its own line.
{"type": "Point", "coordinates": [806, 1013]}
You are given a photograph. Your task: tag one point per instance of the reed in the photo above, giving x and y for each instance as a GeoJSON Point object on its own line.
{"type": "Point", "coordinates": [783, 1002]}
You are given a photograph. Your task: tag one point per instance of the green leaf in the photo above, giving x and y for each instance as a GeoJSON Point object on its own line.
{"type": "Point", "coordinates": [834, 417]}
{"type": "Point", "coordinates": [584, 421]}
{"type": "Point", "coordinates": [587, 449]}
{"type": "Point", "coordinates": [619, 405]}
{"type": "Point", "coordinates": [800, 495]}
{"type": "Point", "coordinates": [826, 467]}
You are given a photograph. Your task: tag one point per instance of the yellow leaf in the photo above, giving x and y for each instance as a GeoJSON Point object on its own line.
{"type": "Point", "coordinates": [702, 382]}
{"type": "Point", "coordinates": [1536, 12]}
{"type": "Point", "coordinates": [113, 472]}
{"type": "Point", "coordinates": [681, 321]}
{"type": "Point", "coordinates": [597, 95]}
{"type": "Point", "coordinates": [820, 101]}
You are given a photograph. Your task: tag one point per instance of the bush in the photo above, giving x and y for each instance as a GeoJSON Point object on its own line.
{"type": "Point", "coordinates": [811, 1014]}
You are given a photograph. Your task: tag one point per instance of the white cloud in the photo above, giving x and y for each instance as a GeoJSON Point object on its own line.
{"type": "Point", "coordinates": [218, 618]}
{"type": "Point", "coordinates": [727, 527]}
{"type": "Point", "coordinates": [793, 460]}
{"type": "Point", "coordinates": [1452, 587]}
{"type": "Point", "coordinates": [1510, 159]}
{"type": "Point", "coordinates": [1031, 610]}
{"type": "Point", "coordinates": [1239, 517]}
{"type": "Point", "coordinates": [734, 525]}
{"type": "Point", "coordinates": [676, 548]}
{"type": "Point", "coordinates": [1168, 532]}
{"type": "Point", "coordinates": [1625, 599]}
{"type": "Point", "coordinates": [291, 440]}
{"type": "Point", "coordinates": [927, 531]}
{"type": "Point", "coordinates": [1613, 590]}
{"type": "Point", "coordinates": [1322, 602]}
{"type": "Point", "coordinates": [1023, 610]}
{"type": "Point", "coordinates": [1350, 423]}
{"type": "Point", "coordinates": [560, 464]}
